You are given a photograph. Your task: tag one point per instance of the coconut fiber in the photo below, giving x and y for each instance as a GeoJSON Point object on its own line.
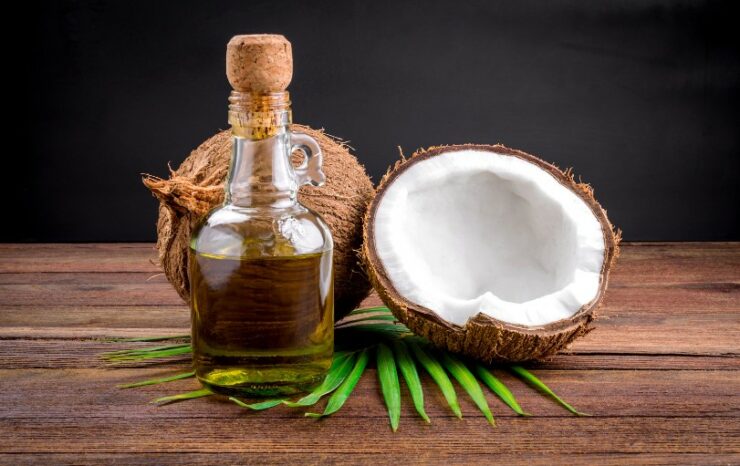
{"type": "Point", "coordinates": [197, 186]}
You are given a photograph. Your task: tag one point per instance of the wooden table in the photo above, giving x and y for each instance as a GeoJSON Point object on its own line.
{"type": "Point", "coordinates": [659, 374]}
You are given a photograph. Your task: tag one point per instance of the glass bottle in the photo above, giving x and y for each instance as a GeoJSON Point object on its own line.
{"type": "Point", "coordinates": [261, 264]}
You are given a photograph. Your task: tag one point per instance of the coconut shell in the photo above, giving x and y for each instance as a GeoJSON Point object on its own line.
{"type": "Point", "coordinates": [483, 337]}
{"type": "Point", "coordinates": [197, 186]}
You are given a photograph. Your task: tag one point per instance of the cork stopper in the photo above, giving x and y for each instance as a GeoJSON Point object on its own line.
{"type": "Point", "coordinates": [260, 63]}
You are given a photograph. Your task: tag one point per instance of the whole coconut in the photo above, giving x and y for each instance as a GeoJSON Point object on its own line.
{"type": "Point", "coordinates": [198, 186]}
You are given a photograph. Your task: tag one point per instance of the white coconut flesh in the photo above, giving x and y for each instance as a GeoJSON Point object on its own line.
{"type": "Point", "coordinates": [472, 231]}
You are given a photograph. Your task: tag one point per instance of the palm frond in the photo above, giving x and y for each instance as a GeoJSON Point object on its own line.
{"type": "Point", "coordinates": [183, 396]}
{"type": "Point", "coordinates": [438, 374]}
{"type": "Point", "coordinates": [363, 331]}
{"type": "Point", "coordinates": [467, 381]}
{"type": "Point", "coordinates": [411, 376]}
{"type": "Point", "coordinates": [499, 389]}
{"type": "Point", "coordinates": [528, 377]}
{"type": "Point", "coordinates": [148, 339]}
{"type": "Point", "coordinates": [389, 386]}
{"type": "Point", "coordinates": [262, 405]}
{"type": "Point", "coordinates": [157, 352]}
{"type": "Point", "coordinates": [340, 369]}
{"type": "Point", "coordinates": [171, 378]}
{"type": "Point", "coordinates": [367, 310]}
{"type": "Point", "coordinates": [336, 401]}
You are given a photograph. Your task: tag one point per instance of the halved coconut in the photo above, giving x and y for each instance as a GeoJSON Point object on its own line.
{"type": "Point", "coordinates": [488, 251]}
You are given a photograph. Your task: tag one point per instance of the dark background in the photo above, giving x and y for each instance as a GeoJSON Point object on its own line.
{"type": "Point", "coordinates": [641, 97]}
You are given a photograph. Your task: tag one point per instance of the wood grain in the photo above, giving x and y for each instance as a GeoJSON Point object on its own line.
{"type": "Point", "coordinates": [360, 457]}
{"type": "Point", "coordinates": [660, 375]}
{"type": "Point", "coordinates": [23, 353]}
{"type": "Point", "coordinates": [667, 393]}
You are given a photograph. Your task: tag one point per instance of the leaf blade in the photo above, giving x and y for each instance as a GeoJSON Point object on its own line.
{"type": "Point", "coordinates": [379, 326]}
{"type": "Point", "coordinates": [141, 356]}
{"type": "Point", "coordinates": [438, 374]}
{"type": "Point", "coordinates": [389, 386]}
{"type": "Point", "coordinates": [183, 396]}
{"type": "Point", "coordinates": [467, 381]}
{"type": "Point", "coordinates": [367, 310]}
{"type": "Point", "coordinates": [369, 319]}
{"type": "Point", "coordinates": [411, 376]}
{"type": "Point", "coordinates": [340, 368]}
{"type": "Point", "coordinates": [145, 350]}
{"type": "Point", "coordinates": [262, 405]}
{"type": "Point", "coordinates": [501, 390]}
{"type": "Point", "coordinates": [336, 372]}
{"type": "Point", "coordinates": [530, 378]}
{"type": "Point", "coordinates": [159, 338]}
{"type": "Point", "coordinates": [143, 383]}
{"type": "Point", "coordinates": [336, 401]}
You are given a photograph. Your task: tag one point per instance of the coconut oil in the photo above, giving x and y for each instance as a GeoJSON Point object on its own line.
{"type": "Point", "coordinates": [262, 325]}
{"type": "Point", "coordinates": [260, 265]}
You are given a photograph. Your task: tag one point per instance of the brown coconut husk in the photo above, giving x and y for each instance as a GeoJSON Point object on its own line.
{"type": "Point", "coordinates": [197, 186]}
{"type": "Point", "coordinates": [483, 337]}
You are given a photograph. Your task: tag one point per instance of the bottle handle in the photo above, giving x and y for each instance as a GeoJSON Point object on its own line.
{"type": "Point", "coordinates": [309, 171]}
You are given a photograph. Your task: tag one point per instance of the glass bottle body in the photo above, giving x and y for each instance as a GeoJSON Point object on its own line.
{"type": "Point", "coordinates": [261, 279]}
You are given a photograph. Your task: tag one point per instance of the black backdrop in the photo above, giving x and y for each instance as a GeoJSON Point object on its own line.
{"type": "Point", "coordinates": [641, 97]}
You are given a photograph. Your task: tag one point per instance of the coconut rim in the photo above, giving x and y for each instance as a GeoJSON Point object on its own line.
{"type": "Point", "coordinates": [584, 313]}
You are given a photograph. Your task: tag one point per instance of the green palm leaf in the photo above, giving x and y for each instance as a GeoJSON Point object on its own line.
{"type": "Point", "coordinates": [262, 405]}
{"type": "Point", "coordinates": [172, 337]}
{"type": "Point", "coordinates": [371, 318]}
{"type": "Point", "coordinates": [528, 377]}
{"type": "Point", "coordinates": [145, 350]}
{"type": "Point", "coordinates": [382, 328]}
{"type": "Point", "coordinates": [147, 353]}
{"type": "Point", "coordinates": [364, 329]}
{"type": "Point", "coordinates": [388, 377]}
{"type": "Point", "coordinates": [340, 368]}
{"type": "Point", "coordinates": [184, 375]}
{"type": "Point", "coordinates": [435, 370]}
{"type": "Point", "coordinates": [499, 389]}
{"type": "Point", "coordinates": [367, 310]}
{"type": "Point", "coordinates": [411, 376]}
{"type": "Point", "coordinates": [342, 393]}
{"type": "Point", "coordinates": [183, 396]}
{"type": "Point", "coordinates": [467, 380]}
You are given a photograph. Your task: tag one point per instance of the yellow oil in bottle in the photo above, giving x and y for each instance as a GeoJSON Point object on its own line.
{"type": "Point", "coordinates": [261, 285]}
{"type": "Point", "coordinates": [262, 325]}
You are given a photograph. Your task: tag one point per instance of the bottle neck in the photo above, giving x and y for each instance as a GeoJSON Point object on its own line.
{"type": "Point", "coordinates": [261, 174]}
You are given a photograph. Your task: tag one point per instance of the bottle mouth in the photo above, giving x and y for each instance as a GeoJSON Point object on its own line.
{"type": "Point", "coordinates": [259, 116]}
{"type": "Point", "coordinates": [257, 102]}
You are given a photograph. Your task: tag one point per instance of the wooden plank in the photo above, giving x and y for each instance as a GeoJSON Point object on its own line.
{"type": "Point", "coordinates": [671, 263]}
{"type": "Point", "coordinates": [665, 331]}
{"type": "Point", "coordinates": [98, 289]}
{"type": "Point", "coordinates": [639, 263]}
{"type": "Point", "coordinates": [92, 394]}
{"type": "Point", "coordinates": [90, 257]}
{"type": "Point", "coordinates": [635, 362]}
{"type": "Point", "coordinates": [81, 321]}
{"type": "Point", "coordinates": [70, 421]}
{"type": "Point", "coordinates": [656, 329]}
{"type": "Point", "coordinates": [708, 333]}
{"type": "Point", "coordinates": [83, 280]}
{"type": "Point", "coordinates": [710, 328]}
{"type": "Point", "coordinates": [71, 352]}
{"type": "Point", "coordinates": [346, 436]}
{"type": "Point", "coordinates": [362, 458]}
{"type": "Point", "coordinates": [680, 249]}
{"type": "Point", "coordinates": [140, 289]}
